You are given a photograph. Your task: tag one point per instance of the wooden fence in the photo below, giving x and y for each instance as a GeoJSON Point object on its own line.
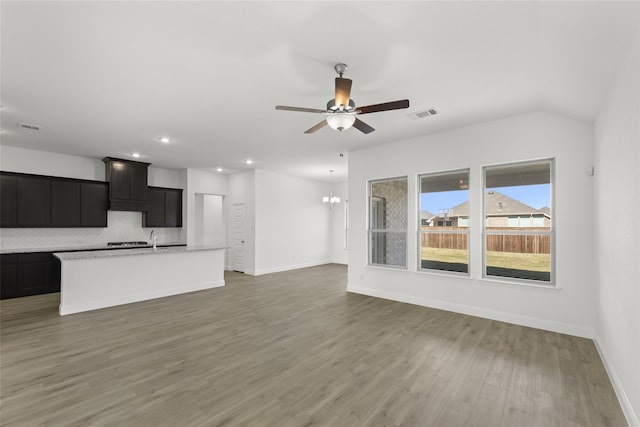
{"type": "Point", "coordinates": [524, 244]}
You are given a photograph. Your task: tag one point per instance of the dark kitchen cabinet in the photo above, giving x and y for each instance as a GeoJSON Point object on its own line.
{"type": "Point", "coordinates": [34, 201]}
{"type": "Point", "coordinates": [94, 198]}
{"type": "Point", "coordinates": [8, 276]}
{"type": "Point", "coordinates": [173, 208]}
{"type": "Point", "coordinates": [26, 200]}
{"type": "Point", "coordinates": [65, 203]}
{"type": "Point", "coordinates": [154, 216]}
{"type": "Point", "coordinates": [128, 182]}
{"type": "Point", "coordinates": [27, 274]}
{"type": "Point", "coordinates": [34, 273]}
{"type": "Point", "coordinates": [30, 201]}
{"type": "Point", "coordinates": [165, 208]}
{"type": "Point", "coordinates": [78, 203]}
{"type": "Point", "coordinates": [8, 201]}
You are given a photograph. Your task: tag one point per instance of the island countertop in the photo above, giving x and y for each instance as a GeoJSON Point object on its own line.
{"type": "Point", "coordinates": [68, 256]}
{"type": "Point", "coordinates": [82, 248]}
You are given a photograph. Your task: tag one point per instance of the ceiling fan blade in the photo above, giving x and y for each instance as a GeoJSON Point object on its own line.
{"type": "Point", "coordinates": [386, 106]}
{"type": "Point", "coordinates": [300, 109]}
{"type": "Point", "coordinates": [316, 127]}
{"type": "Point", "coordinates": [343, 91]}
{"type": "Point", "coordinates": [362, 126]}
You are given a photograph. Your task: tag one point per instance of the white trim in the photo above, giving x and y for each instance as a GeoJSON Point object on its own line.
{"type": "Point", "coordinates": [533, 322]}
{"type": "Point", "coordinates": [625, 403]}
{"type": "Point", "coordinates": [259, 272]}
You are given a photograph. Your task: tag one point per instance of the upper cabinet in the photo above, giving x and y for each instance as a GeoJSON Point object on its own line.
{"type": "Point", "coordinates": [165, 208]}
{"type": "Point", "coordinates": [8, 201]}
{"type": "Point", "coordinates": [128, 189]}
{"type": "Point", "coordinates": [65, 203]}
{"type": "Point", "coordinates": [94, 198]}
{"type": "Point", "coordinates": [34, 201]}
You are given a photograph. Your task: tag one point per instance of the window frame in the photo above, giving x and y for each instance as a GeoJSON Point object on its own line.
{"type": "Point", "coordinates": [420, 232]}
{"type": "Point", "coordinates": [551, 284]}
{"type": "Point", "coordinates": [371, 230]}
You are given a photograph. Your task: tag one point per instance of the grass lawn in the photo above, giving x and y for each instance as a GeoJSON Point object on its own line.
{"type": "Point", "coordinates": [531, 262]}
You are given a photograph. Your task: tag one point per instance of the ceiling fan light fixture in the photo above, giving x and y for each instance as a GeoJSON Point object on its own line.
{"type": "Point", "coordinates": [341, 121]}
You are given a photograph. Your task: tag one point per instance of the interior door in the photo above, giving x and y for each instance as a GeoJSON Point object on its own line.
{"type": "Point", "coordinates": [237, 262]}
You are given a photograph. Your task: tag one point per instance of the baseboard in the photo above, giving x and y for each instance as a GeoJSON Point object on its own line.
{"type": "Point", "coordinates": [532, 322]}
{"type": "Point", "coordinates": [625, 403]}
{"type": "Point", "coordinates": [259, 272]}
{"type": "Point", "coordinates": [65, 309]}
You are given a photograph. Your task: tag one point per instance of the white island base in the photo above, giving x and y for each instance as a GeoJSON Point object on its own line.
{"type": "Point", "coordinates": [99, 279]}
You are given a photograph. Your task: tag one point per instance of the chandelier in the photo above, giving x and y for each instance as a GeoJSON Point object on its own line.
{"type": "Point", "coordinates": [331, 200]}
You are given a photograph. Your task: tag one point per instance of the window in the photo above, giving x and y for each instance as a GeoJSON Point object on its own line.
{"type": "Point", "coordinates": [444, 221]}
{"type": "Point", "coordinates": [388, 222]}
{"type": "Point", "coordinates": [518, 221]}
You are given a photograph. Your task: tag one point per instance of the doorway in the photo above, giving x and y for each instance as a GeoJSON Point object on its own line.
{"type": "Point", "coordinates": [209, 220]}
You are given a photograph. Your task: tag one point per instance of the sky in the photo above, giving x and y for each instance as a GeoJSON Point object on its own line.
{"type": "Point", "coordinates": [537, 196]}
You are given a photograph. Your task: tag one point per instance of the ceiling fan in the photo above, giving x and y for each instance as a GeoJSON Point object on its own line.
{"type": "Point", "coordinates": [341, 111]}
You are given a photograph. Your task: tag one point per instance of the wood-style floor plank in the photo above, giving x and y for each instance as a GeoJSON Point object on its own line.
{"type": "Point", "coordinates": [290, 349]}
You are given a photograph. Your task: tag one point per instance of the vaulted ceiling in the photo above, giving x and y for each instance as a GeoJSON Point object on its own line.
{"type": "Point", "coordinates": [109, 78]}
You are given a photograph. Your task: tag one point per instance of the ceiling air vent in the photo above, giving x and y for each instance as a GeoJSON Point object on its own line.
{"type": "Point", "coordinates": [422, 114]}
{"type": "Point", "coordinates": [28, 126]}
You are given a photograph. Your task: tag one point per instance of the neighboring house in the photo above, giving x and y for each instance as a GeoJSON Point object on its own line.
{"type": "Point", "coordinates": [426, 218]}
{"type": "Point", "coordinates": [502, 211]}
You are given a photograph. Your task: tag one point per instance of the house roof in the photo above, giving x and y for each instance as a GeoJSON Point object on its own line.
{"type": "Point", "coordinates": [426, 215]}
{"type": "Point", "coordinates": [498, 204]}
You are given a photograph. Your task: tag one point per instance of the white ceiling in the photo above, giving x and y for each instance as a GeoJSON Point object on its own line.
{"type": "Point", "coordinates": [108, 78]}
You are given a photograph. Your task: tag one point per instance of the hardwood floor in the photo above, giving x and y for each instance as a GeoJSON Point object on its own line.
{"type": "Point", "coordinates": [291, 349]}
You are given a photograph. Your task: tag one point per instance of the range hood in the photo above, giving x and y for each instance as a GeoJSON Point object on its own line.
{"type": "Point", "coordinates": [128, 184]}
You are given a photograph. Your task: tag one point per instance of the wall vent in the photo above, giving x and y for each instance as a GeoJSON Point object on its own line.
{"type": "Point", "coordinates": [28, 126]}
{"type": "Point", "coordinates": [423, 113]}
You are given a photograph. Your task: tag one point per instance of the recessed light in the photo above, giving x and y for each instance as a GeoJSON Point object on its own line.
{"type": "Point", "coordinates": [164, 139]}
{"type": "Point", "coordinates": [248, 161]}
{"type": "Point", "coordinates": [136, 155]}
{"type": "Point", "coordinates": [219, 169]}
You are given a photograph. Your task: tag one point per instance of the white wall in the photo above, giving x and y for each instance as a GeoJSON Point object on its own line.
{"type": "Point", "coordinates": [122, 226]}
{"type": "Point", "coordinates": [160, 177]}
{"type": "Point", "coordinates": [14, 159]}
{"type": "Point", "coordinates": [242, 190]}
{"type": "Point", "coordinates": [617, 234]}
{"type": "Point", "coordinates": [569, 308]}
{"type": "Point", "coordinates": [339, 253]}
{"type": "Point", "coordinates": [199, 182]}
{"type": "Point", "coordinates": [292, 223]}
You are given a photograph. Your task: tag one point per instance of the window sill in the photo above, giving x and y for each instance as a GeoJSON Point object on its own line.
{"type": "Point", "coordinates": [386, 267]}
{"type": "Point", "coordinates": [506, 282]}
{"type": "Point", "coordinates": [450, 274]}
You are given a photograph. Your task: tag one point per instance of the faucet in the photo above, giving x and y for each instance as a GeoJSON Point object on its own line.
{"type": "Point", "coordinates": [152, 236]}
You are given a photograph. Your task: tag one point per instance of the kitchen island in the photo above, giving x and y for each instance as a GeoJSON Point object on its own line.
{"type": "Point", "coordinates": [99, 279]}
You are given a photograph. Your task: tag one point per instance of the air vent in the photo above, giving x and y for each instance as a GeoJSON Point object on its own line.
{"type": "Point", "coordinates": [423, 113]}
{"type": "Point", "coordinates": [28, 126]}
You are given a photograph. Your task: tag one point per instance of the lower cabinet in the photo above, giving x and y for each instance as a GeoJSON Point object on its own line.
{"type": "Point", "coordinates": [8, 276]}
{"type": "Point", "coordinates": [29, 274]}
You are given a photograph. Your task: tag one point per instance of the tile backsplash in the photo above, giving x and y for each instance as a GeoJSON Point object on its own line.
{"type": "Point", "coordinates": [122, 227]}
